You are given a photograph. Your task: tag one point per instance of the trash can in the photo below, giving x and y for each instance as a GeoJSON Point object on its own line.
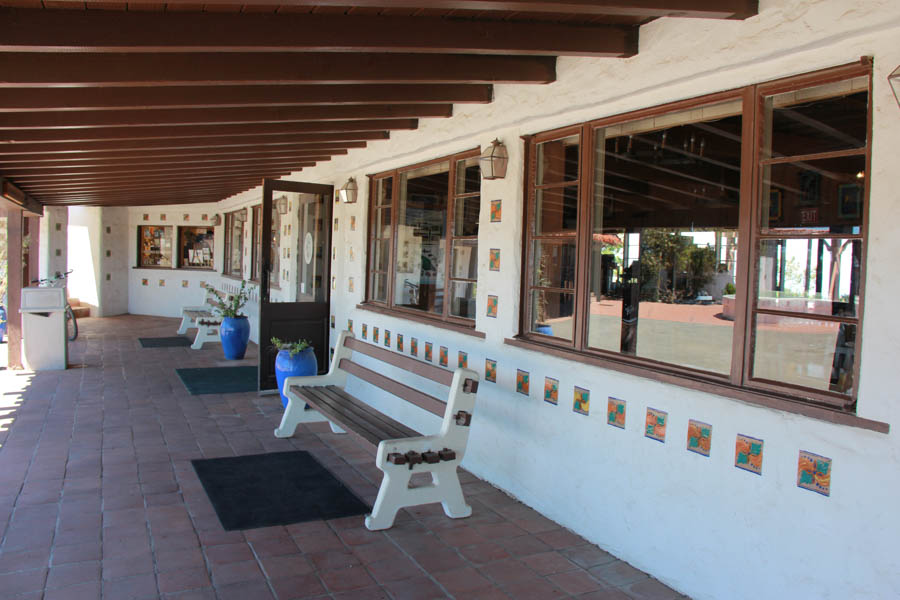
{"type": "Point", "coordinates": [44, 344]}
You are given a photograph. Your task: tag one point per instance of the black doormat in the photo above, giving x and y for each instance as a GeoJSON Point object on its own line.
{"type": "Point", "coordinates": [165, 342]}
{"type": "Point", "coordinates": [219, 380]}
{"type": "Point", "coordinates": [263, 490]}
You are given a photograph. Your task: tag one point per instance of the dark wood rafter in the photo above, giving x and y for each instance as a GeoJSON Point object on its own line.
{"type": "Point", "coordinates": [231, 96]}
{"type": "Point", "coordinates": [112, 158]}
{"type": "Point", "coordinates": [198, 173]}
{"type": "Point", "coordinates": [109, 31]}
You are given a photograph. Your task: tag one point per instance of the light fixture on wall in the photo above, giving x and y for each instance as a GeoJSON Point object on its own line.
{"type": "Point", "coordinates": [894, 79]}
{"type": "Point", "coordinates": [494, 161]}
{"type": "Point", "coordinates": [281, 204]}
{"type": "Point", "coordinates": [349, 191]}
{"type": "Point", "coordinates": [217, 220]}
{"type": "Point", "coordinates": [241, 215]}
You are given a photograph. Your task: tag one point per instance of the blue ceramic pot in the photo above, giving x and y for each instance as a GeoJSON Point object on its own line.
{"type": "Point", "coordinates": [302, 363]}
{"type": "Point", "coordinates": [235, 333]}
{"type": "Point", "coordinates": [2, 323]}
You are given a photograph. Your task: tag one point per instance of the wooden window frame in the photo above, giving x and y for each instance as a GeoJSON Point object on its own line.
{"type": "Point", "coordinates": [255, 242]}
{"type": "Point", "coordinates": [140, 264]}
{"type": "Point", "coordinates": [229, 246]}
{"type": "Point", "coordinates": [388, 307]}
{"type": "Point", "coordinates": [179, 237]}
{"type": "Point", "coordinates": [737, 383]}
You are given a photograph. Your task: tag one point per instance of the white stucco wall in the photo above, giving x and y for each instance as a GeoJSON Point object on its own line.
{"type": "Point", "coordinates": [698, 524]}
{"type": "Point", "coordinates": [53, 243]}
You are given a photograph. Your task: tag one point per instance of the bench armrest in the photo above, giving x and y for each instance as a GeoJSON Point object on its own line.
{"type": "Point", "coordinates": [416, 444]}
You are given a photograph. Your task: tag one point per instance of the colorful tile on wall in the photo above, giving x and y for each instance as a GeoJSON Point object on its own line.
{"type": "Point", "coordinates": [350, 325]}
{"type": "Point", "coordinates": [145, 282]}
{"type": "Point", "coordinates": [352, 223]}
{"type": "Point", "coordinates": [184, 283]}
{"type": "Point", "coordinates": [335, 224]}
{"type": "Point", "coordinates": [204, 217]}
{"type": "Point", "coordinates": [162, 283]}
{"type": "Point", "coordinates": [615, 412]}
{"type": "Point", "coordinates": [655, 425]}
{"type": "Point", "coordinates": [523, 385]}
{"type": "Point", "coordinates": [429, 350]}
{"type": "Point", "coordinates": [350, 285]}
{"type": "Point", "coordinates": [814, 473]}
{"type": "Point", "coordinates": [494, 259]}
{"type": "Point", "coordinates": [492, 303]}
{"type": "Point", "coordinates": [582, 401]}
{"type": "Point", "coordinates": [375, 334]}
{"type": "Point", "coordinates": [496, 206]}
{"type": "Point", "coordinates": [185, 217]}
{"type": "Point", "coordinates": [350, 253]}
{"type": "Point", "coordinates": [490, 370]}
{"type": "Point", "coordinates": [444, 356]}
{"type": "Point", "coordinates": [699, 437]}
{"type": "Point", "coordinates": [162, 217]}
{"type": "Point", "coordinates": [365, 331]}
{"type": "Point", "coordinates": [414, 346]}
{"type": "Point", "coordinates": [333, 282]}
{"type": "Point", "coordinates": [748, 453]}
{"type": "Point", "coordinates": [399, 342]}
{"type": "Point", "coordinates": [146, 217]}
{"type": "Point", "coordinates": [334, 253]}
{"type": "Point", "coordinates": [551, 390]}
{"type": "Point", "coordinates": [332, 321]}
{"type": "Point", "coordinates": [462, 361]}
{"type": "Point", "coordinates": [387, 338]}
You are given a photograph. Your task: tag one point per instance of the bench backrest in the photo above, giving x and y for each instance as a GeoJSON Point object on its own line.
{"type": "Point", "coordinates": [463, 383]}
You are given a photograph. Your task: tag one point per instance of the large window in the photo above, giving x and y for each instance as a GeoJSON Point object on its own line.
{"type": "Point", "coordinates": [195, 247]}
{"type": "Point", "coordinates": [234, 242]}
{"type": "Point", "coordinates": [721, 239]}
{"type": "Point", "coordinates": [423, 238]}
{"type": "Point", "coordinates": [155, 246]}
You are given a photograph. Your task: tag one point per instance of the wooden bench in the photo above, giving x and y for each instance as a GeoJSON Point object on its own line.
{"type": "Point", "coordinates": [204, 319]}
{"type": "Point", "coordinates": [401, 451]}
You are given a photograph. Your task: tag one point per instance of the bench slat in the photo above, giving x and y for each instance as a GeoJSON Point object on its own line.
{"type": "Point", "coordinates": [412, 365]}
{"type": "Point", "coordinates": [350, 413]}
{"type": "Point", "coordinates": [420, 399]}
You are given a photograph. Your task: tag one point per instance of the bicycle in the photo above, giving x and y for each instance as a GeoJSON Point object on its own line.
{"type": "Point", "coordinates": [59, 280]}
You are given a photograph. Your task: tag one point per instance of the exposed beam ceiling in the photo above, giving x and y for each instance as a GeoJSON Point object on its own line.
{"type": "Point", "coordinates": [181, 102]}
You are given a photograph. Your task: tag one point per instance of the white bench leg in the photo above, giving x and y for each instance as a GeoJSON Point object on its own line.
{"type": "Point", "coordinates": [296, 413]}
{"type": "Point", "coordinates": [392, 496]}
{"type": "Point", "coordinates": [205, 333]}
{"type": "Point", "coordinates": [446, 480]}
{"type": "Point", "coordinates": [186, 323]}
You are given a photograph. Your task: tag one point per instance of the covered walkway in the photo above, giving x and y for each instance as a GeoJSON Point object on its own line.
{"type": "Point", "coordinates": [99, 500]}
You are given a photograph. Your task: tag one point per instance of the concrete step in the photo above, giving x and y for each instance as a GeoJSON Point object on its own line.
{"type": "Point", "coordinates": [81, 311]}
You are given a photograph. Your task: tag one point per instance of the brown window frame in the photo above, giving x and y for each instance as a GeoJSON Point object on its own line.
{"type": "Point", "coordinates": [140, 236]}
{"type": "Point", "coordinates": [738, 383]}
{"type": "Point", "coordinates": [229, 247]}
{"type": "Point", "coordinates": [255, 242]}
{"type": "Point", "coordinates": [388, 307]}
{"type": "Point", "coordinates": [180, 258]}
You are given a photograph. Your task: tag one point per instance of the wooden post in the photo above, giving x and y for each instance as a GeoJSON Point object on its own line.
{"type": "Point", "coordinates": [14, 227]}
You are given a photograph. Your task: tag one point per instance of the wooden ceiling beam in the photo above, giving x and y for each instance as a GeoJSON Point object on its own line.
{"type": "Point", "coordinates": [722, 9]}
{"type": "Point", "coordinates": [30, 30]}
{"type": "Point", "coordinates": [107, 175]}
{"type": "Point", "coordinates": [47, 69]}
{"type": "Point", "coordinates": [247, 142]}
{"type": "Point", "coordinates": [162, 132]}
{"type": "Point", "coordinates": [150, 181]}
{"type": "Point", "coordinates": [100, 159]}
{"type": "Point", "coordinates": [230, 96]}
{"type": "Point", "coordinates": [163, 185]}
{"type": "Point", "coordinates": [154, 198]}
{"type": "Point", "coordinates": [168, 117]}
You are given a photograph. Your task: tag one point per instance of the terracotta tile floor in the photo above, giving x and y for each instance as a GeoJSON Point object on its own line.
{"type": "Point", "coordinates": [98, 499]}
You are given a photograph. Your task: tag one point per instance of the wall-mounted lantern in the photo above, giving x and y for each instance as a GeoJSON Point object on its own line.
{"type": "Point", "coordinates": [281, 205]}
{"type": "Point", "coordinates": [241, 215]}
{"type": "Point", "coordinates": [894, 79]}
{"type": "Point", "coordinates": [217, 220]}
{"type": "Point", "coordinates": [349, 191]}
{"type": "Point", "coordinates": [494, 161]}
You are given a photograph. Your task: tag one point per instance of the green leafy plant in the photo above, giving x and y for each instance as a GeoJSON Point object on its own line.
{"type": "Point", "coordinates": [293, 347]}
{"type": "Point", "coordinates": [729, 290]}
{"type": "Point", "coordinates": [230, 305]}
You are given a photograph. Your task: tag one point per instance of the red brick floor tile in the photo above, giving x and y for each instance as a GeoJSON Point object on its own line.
{"type": "Point", "coordinates": [497, 531]}
{"type": "Point", "coordinates": [228, 553]}
{"type": "Point", "coordinates": [334, 559]}
{"type": "Point", "coordinates": [318, 542]}
{"type": "Point", "coordinates": [546, 563]}
{"type": "Point", "coordinates": [83, 591]}
{"type": "Point", "coordinates": [440, 560]}
{"type": "Point", "coordinates": [179, 558]}
{"type": "Point", "coordinates": [356, 536]}
{"type": "Point", "coordinates": [342, 580]}
{"type": "Point", "coordinates": [24, 560]}
{"type": "Point", "coordinates": [393, 569]}
{"type": "Point", "coordinates": [458, 537]}
{"type": "Point", "coordinates": [537, 589]}
{"type": "Point", "coordinates": [605, 594]}
{"type": "Point", "coordinates": [524, 545]}
{"type": "Point", "coordinates": [575, 582]}
{"type": "Point", "coordinates": [203, 594]}
{"type": "Point", "coordinates": [234, 572]}
{"type": "Point", "coordinates": [131, 588]}
{"type": "Point", "coordinates": [418, 588]}
{"type": "Point", "coordinates": [247, 590]}
{"type": "Point", "coordinates": [288, 565]}
{"type": "Point", "coordinates": [507, 572]}
{"type": "Point", "coordinates": [369, 553]}
{"type": "Point", "coordinates": [588, 556]}
{"type": "Point", "coordinates": [274, 547]}
{"type": "Point", "coordinates": [73, 574]}
{"type": "Point", "coordinates": [617, 573]}
{"type": "Point", "coordinates": [560, 538]}
{"type": "Point", "coordinates": [266, 533]}
{"type": "Point", "coordinates": [480, 554]}
{"type": "Point", "coordinates": [490, 593]}
{"type": "Point", "coordinates": [116, 568]}
{"type": "Point", "coordinates": [374, 592]}
{"type": "Point", "coordinates": [299, 586]}
{"type": "Point", "coordinates": [650, 589]}
{"type": "Point", "coordinates": [23, 581]}
{"type": "Point", "coordinates": [462, 580]}
{"type": "Point", "coordinates": [76, 553]}
{"type": "Point", "coordinates": [182, 580]}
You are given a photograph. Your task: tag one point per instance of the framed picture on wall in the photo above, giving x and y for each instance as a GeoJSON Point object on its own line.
{"type": "Point", "coordinates": [849, 206]}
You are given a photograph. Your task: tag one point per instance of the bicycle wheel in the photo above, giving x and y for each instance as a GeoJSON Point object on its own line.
{"type": "Point", "coordinates": [71, 324]}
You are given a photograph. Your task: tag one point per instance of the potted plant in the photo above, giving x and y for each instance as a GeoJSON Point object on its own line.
{"type": "Point", "coordinates": [294, 359]}
{"type": "Point", "coordinates": [235, 328]}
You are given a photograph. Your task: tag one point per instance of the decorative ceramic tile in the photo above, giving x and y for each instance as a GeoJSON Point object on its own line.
{"type": "Point", "coordinates": [185, 217]}
{"type": "Point", "coordinates": [146, 217]}
{"type": "Point", "coordinates": [655, 425]}
{"type": "Point", "coordinates": [414, 347]}
{"type": "Point", "coordinates": [365, 331]}
{"type": "Point", "coordinates": [333, 282]}
{"type": "Point", "coordinates": [582, 401]}
{"type": "Point", "coordinates": [350, 253]}
{"type": "Point", "coordinates": [523, 385]}
{"type": "Point", "coordinates": [59, 226]}
{"type": "Point", "coordinates": [492, 302]}
{"type": "Point", "coordinates": [332, 321]}
{"type": "Point", "coordinates": [350, 325]}
{"type": "Point", "coordinates": [748, 454]}
{"type": "Point", "coordinates": [204, 217]}
{"type": "Point", "coordinates": [615, 412]}
{"type": "Point", "coordinates": [429, 350]}
{"type": "Point", "coordinates": [108, 277]}
{"type": "Point", "coordinates": [350, 285]}
{"type": "Point", "coordinates": [462, 360]}
{"type": "Point", "coordinates": [375, 334]}
{"type": "Point", "coordinates": [399, 342]}
{"type": "Point", "coordinates": [814, 473]}
{"type": "Point", "coordinates": [184, 283]}
{"type": "Point", "coordinates": [444, 356]}
{"type": "Point", "coordinates": [551, 390]}
{"type": "Point", "coordinates": [59, 252]}
{"type": "Point", "coordinates": [495, 211]}
{"type": "Point", "coordinates": [352, 222]}
{"type": "Point", "coordinates": [387, 338]}
{"type": "Point", "coordinates": [162, 217]}
{"type": "Point", "coordinates": [145, 282]}
{"type": "Point", "coordinates": [490, 370]}
{"type": "Point", "coordinates": [334, 253]}
{"type": "Point", "coordinates": [699, 437]}
{"type": "Point", "coordinates": [335, 224]}
{"type": "Point", "coordinates": [108, 253]}
{"type": "Point", "coordinates": [494, 259]}
{"type": "Point", "coordinates": [109, 230]}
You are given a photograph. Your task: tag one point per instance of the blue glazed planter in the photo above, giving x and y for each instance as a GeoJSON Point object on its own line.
{"type": "Point", "coordinates": [302, 363]}
{"type": "Point", "coordinates": [2, 323]}
{"type": "Point", "coordinates": [235, 333]}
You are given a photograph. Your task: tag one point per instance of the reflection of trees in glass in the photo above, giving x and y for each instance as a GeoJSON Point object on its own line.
{"type": "Point", "coordinates": [668, 258]}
